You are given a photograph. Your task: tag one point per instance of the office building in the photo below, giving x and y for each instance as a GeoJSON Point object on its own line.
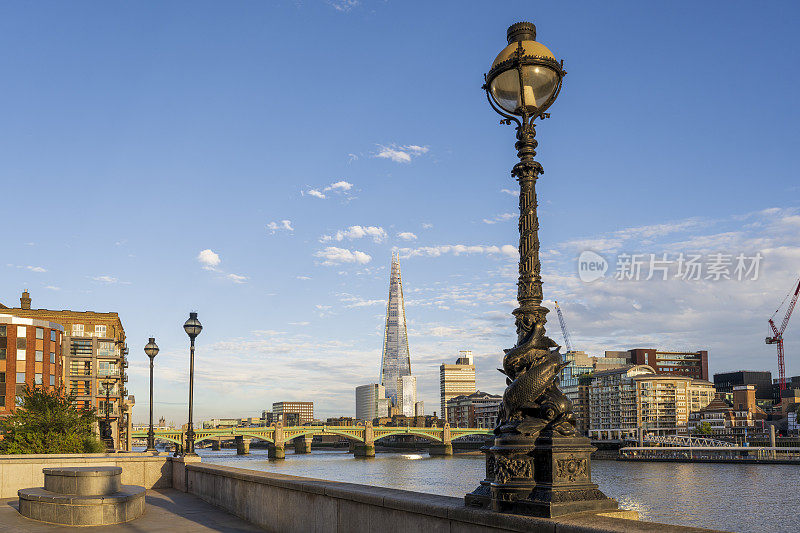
{"type": "Point", "coordinates": [419, 409]}
{"type": "Point", "coordinates": [762, 379]}
{"type": "Point", "coordinates": [456, 380]}
{"type": "Point", "coordinates": [30, 354]}
{"type": "Point", "coordinates": [462, 411]}
{"type": "Point", "coordinates": [303, 410]}
{"type": "Point", "coordinates": [623, 400]}
{"type": "Point", "coordinates": [368, 406]}
{"type": "Point", "coordinates": [690, 364]}
{"type": "Point", "coordinates": [395, 358]}
{"type": "Point", "coordinates": [94, 360]}
{"type": "Point", "coordinates": [407, 395]}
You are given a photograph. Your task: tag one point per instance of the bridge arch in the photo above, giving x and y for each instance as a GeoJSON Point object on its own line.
{"type": "Point", "coordinates": [426, 436]}
{"type": "Point", "coordinates": [472, 433]}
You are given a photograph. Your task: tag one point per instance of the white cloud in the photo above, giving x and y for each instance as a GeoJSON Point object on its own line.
{"type": "Point", "coordinates": [499, 218]}
{"type": "Point", "coordinates": [457, 249]}
{"type": "Point", "coordinates": [274, 227]}
{"type": "Point", "coordinates": [105, 279]}
{"type": "Point", "coordinates": [335, 256]}
{"type": "Point", "coordinates": [211, 261]}
{"type": "Point", "coordinates": [343, 5]}
{"type": "Point", "coordinates": [36, 268]}
{"type": "Point", "coordinates": [427, 225]}
{"type": "Point", "coordinates": [407, 236]}
{"type": "Point", "coordinates": [304, 278]}
{"type": "Point", "coordinates": [350, 301]}
{"type": "Point", "coordinates": [315, 193]}
{"type": "Point", "coordinates": [52, 288]}
{"type": "Point", "coordinates": [400, 153]}
{"type": "Point", "coordinates": [208, 259]}
{"type": "Point", "coordinates": [377, 233]}
{"type": "Point", "coordinates": [509, 191]}
{"type": "Point", "coordinates": [339, 187]}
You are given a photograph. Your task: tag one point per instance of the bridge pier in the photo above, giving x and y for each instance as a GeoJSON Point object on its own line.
{"type": "Point", "coordinates": [440, 449]}
{"type": "Point", "coordinates": [215, 445]}
{"type": "Point", "coordinates": [302, 444]}
{"type": "Point", "coordinates": [361, 449]}
{"type": "Point", "coordinates": [242, 445]}
{"type": "Point", "coordinates": [276, 451]}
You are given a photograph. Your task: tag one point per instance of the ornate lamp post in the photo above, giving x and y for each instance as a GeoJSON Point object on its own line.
{"type": "Point", "coordinates": [107, 433]}
{"type": "Point", "coordinates": [151, 349]}
{"type": "Point", "coordinates": [538, 464]}
{"type": "Point", "coordinates": [193, 327]}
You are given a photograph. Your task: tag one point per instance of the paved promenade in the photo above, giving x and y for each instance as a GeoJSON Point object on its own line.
{"type": "Point", "coordinates": [168, 510]}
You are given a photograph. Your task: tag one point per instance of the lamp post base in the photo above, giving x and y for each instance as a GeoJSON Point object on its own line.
{"type": "Point", "coordinates": [547, 477]}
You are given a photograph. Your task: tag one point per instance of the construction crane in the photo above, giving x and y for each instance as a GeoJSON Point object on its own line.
{"type": "Point", "coordinates": [777, 333]}
{"type": "Point", "coordinates": [567, 340]}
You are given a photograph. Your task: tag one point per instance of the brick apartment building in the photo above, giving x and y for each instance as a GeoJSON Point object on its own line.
{"type": "Point", "coordinates": [30, 354]}
{"type": "Point", "coordinates": [92, 357]}
{"type": "Point", "coordinates": [688, 364]}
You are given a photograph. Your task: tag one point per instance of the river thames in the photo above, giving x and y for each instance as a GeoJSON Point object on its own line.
{"type": "Point", "coordinates": [741, 498]}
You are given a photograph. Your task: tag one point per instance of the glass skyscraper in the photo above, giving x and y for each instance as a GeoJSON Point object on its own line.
{"type": "Point", "coordinates": [396, 359]}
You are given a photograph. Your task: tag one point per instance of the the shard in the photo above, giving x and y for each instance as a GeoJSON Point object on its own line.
{"type": "Point", "coordinates": [396, 359]}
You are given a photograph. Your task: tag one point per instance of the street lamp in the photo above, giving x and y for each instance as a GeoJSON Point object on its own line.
{"type": "Point", "coordinates": [193, 327]}
{"type": "Point", "coordinates": [151, 349]}
{"type": "Point", "coordinates": [107, 434]}
{"type": "Point", "coordinates": [538, 464]}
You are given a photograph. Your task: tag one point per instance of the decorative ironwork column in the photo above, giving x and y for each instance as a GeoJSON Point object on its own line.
{"type": "Point", "coordinates": [537, 464]}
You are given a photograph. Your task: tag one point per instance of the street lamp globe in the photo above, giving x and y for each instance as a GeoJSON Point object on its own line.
{"type": "Point", "coordinates": [525, 77]}
{"type": "Point", "coordinates": [193, 327]}
{"type": "Point", "coordinates": [151, 349]}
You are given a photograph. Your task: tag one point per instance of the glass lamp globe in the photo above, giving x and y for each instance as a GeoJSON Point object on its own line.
{"type": "Point", "coordinates": [151, 348]}
{"type": "Point", "coordinates": [193, 327]}
{"type": "Point", "coordinates": [525, 77]}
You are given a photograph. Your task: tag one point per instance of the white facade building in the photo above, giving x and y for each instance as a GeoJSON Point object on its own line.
{"type": "Point", "coordinates": [368, 401]}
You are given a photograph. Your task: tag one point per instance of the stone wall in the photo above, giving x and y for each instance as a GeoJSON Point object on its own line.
{"type": "Point", "coordinates": [25, 471]}
{"type": "Point", "coordinates": [289, 504]}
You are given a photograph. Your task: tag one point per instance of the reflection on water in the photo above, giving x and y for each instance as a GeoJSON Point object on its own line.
{"type": "Point", "coordinates": [742, 498]}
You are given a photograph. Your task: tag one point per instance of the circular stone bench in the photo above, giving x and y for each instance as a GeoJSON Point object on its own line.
{"type": "Point", "coordinates": [82, 496]}
{"type": "Point", "coordinates": [83, 480]}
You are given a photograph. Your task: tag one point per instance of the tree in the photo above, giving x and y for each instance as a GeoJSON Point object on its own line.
{"type": "Point", "coordinates": [46, 421]}
{"type": "Point", "coordinates": [705, 429]}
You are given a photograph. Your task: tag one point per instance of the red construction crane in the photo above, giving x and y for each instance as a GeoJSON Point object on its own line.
{"type": "Point", "coordinates": [777, 337]}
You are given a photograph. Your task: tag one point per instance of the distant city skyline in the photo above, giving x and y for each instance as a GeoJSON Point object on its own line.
{"type": "Point", "coordinates": [155, 163]}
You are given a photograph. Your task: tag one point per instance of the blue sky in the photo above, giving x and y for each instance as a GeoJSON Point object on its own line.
{"type": "Point", "coordinates": [136, 136]}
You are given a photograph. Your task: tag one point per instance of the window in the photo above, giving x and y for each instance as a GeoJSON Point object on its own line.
{"type": "Point", "coordinates": [52, 381]}
{"type": "Point", "coordinates": [107, 368]}
{"type": "Point", "coordinates": [22, 343]}
{"type": "Point", "coordinates": [100, 331]}
{"type": "Point", "coordinates": [39, 356]}
{"type": "Point", "coordinates": [3, 330]}
{"type": "Point", "coordinates": [20, 378]}
{"type": "Point", "coordinates": [3, 400]}
{"type": "Point", "coordinates": [20, 355]}
{"type": "Point", "coordinates": [80, 368]}
{"type": "Point", "coordinates": [53, 335]}
{"type": "Point", "coordinates": [2, 377]}
{"type": "Point", "coordinates": [2, 354]}
{"type": "Point", "coordinates": [37, 379]}
{"type": "Point", "coordinates": [40, 333]}
{"type": "Point", "coordinates": [77, 330]}
{"type": "Point", "coordinates": [52, 358]}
